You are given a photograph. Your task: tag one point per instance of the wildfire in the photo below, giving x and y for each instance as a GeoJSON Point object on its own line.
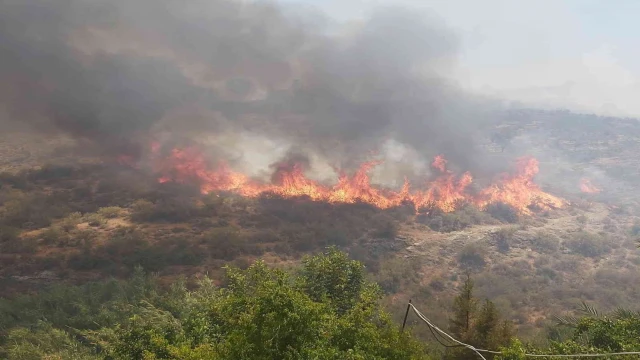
{"type": "Point", "coordinates": [519, 190]}
{"type": "Point", "coordinates": [446, 192]}
{"type": "Point", "coordinates": [587, 187]}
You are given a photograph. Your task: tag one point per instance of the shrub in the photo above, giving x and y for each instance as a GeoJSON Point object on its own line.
{"type": "Point", "coordinates": [437, 285]}
{"type": "Point", "coordinates": [472, 256]}
{"type": "Point", "coordinates": [454, 221]}
{"type": "Point", "coordinates": [446, 222]}
{"type": "Point", "coordinates": [545, 243]}
{"type": "Point", "coordinates": [171, 210]}
{"type": "Point", "coordinates": [8, 233]}
{"type": "Point", "coordinates": [394, 274]}
{"type": "Point", "coordinates": [338, 237]}
{"type": "Point", "coordinates": [547, 273]}
{"type": "Point", "coordinates": [32, 212]}
{"type": "Point", "coordinates": [385, 228]}
{"type": "Point", "coordinates": [27, 245]}
{"type": "Point", "coordinates": [503, 238]}
{"type": "Point", "coordinates": [142, 210]}
{"type": "Point", "coordinates": [110, 212]}
{"type": "Point", "coordinates": [588, 244]}
{"type": "Point", "coordinates": [582, 219]}
{"type": "Point", "coordinates": [45, 342]}
{"type": "Point", "coordinates": [503, 212]}
{"type": "Point", "coordinates": [225, 243]}
{"type": "Point", "coordinates": [83, 237]}
{"type": "Point", "coordinates": [54, 235]}
{"type": "Point", "coordinates": [71, 221]}
{"type": "Point", "coordinates": [128, 247]}
{"type": "Point", "coordinates": [95, 220]}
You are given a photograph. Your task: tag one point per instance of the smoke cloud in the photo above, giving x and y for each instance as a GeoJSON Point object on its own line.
{"type": "Point", "coordinates": [117, 72]}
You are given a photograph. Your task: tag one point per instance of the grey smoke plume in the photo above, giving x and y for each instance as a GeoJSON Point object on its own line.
{"type": "Point", "coordinates": [115, 72]}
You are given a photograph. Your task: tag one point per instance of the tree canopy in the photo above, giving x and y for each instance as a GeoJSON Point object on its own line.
{"type": "Point", "coordinates": [326, 310]}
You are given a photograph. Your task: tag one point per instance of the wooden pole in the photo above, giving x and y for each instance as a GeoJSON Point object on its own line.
{"type": "Point", "coordinates": [406, 314]}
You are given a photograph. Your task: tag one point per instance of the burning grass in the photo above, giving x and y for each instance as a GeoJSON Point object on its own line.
{"type": "Point", "coordinates": [447, 192]}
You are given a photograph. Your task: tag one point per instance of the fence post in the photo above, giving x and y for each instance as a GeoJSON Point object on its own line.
{"type": "Point", "coordinates": [406, 314]}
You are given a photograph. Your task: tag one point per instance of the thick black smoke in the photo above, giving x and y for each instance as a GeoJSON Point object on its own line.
{"type": "Point", "coordinates": [114, 72]}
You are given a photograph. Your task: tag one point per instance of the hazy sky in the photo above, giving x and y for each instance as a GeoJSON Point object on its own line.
{"type": "Point", "coordinates": [578, 54]}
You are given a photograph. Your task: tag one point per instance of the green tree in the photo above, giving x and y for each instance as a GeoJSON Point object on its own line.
{"type": "Point", "coordinates": [490, 332]}
{"type": "Point", "coordinates": [592, 333]}
{"type": "Point", "coordinates": [328, 311]}
{"type": "Point", "coordinates": [481, 328]}
{"type": "Point", "coordinates": [336, 279]}
{"type": "Point", "coordinates": [464, 308]}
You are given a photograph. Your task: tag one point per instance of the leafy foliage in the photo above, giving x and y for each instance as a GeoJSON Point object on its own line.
{"type": "Point", "coordinates": [325, 311]}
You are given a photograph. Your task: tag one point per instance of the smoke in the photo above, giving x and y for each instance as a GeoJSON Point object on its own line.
{"type": "Point", "coordinates": [117, 72]}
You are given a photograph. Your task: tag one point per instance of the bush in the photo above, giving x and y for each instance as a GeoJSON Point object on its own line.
{"type": "Point", "coordinates": [32, 212]}
{"type": "Point", "coordinates": [545, 243]}
{"type": "Point", "coordinates": [8, 233]}
{"type": "Point", "coordinates": [142, 210]}
{"type": "Point", "coordinates": [397, 273]}
{"type": "Point", "coordinates": [128, 247]}
{"type": "Point", "coordinates": [110, 212]}
{"type": "Point", "coordinates": [27, 245]}
{"type": "Point", "coordinates": [446, 222]}
{"type": "Point", "coordinates": [70, 222]}
{"type": "Point", "coordinates": [385, 228]}
{"type": "Point", "coordinates": [95, 220]}
{"type": "Point", "coordinates": [588, 244]}
{"type": "Point", "coordinates": [454, 221]}
{"type": "Point", "coordinates": [472, 256]}
{"type": "Point", "coordinates": [54, 236]}
{"type": "Point", "coordinates": [338, 237]}
{"type": "Point", "coordinates": [170, 210]}
{"type": "Point", "coordinates": [226, 243]}
{"type": "Point", "coordinates": [503, 212]}
{"type": "Point", "coordinates": [45, 342]}
{"type": "Point", "coordinates": [582, 220]}
{"type": "Point", "coordinates": [503, 238]}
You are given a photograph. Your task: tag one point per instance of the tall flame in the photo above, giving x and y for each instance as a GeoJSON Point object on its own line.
{"type": "Point", "coordinates": [446, 192]}
{"type": "Point", "coordinates": [519, 190]}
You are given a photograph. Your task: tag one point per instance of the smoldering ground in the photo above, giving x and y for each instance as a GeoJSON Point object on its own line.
{"type": "Point", "coordinates": [114, 72]}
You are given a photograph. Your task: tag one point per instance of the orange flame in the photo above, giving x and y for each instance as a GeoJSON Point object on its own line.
{"type": "Point", "coordinates": [446, 192]}
{"type": "Point", "coordinates": [587, 187]}
{"type": "Point", "coordinates": [519, 190]}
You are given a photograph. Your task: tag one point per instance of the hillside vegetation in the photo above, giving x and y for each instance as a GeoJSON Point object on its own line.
{"type": "Point", "coordinates": [78, 234]}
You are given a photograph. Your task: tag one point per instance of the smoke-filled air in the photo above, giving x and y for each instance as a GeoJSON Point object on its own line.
{"type": "Point", "coordinates": [318, 179]}
{"type": "Point", "coordinates": [250, 98]}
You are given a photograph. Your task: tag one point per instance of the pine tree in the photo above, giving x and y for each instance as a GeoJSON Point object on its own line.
{"type": "Point", "coordinates": [461, 324]}
{"type": "Point", "coordinates": [481, 328]}
{"type": "Point", "coordinates": [464, 308]}
{"type": "Point", "coordinates": [487, 326]}
{"type": "Point", "coordinates": [490, 332]}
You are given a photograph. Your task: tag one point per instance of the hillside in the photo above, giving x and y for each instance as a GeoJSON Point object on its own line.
{"type": "Point", "coordinates": [69, 219]}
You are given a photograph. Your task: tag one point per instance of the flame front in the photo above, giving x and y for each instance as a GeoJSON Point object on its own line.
{"type": "Point", "coordinates": [519, 190]}
{"type": "Point", "coordinates": [446, 192]}
{"type": "Point", "coordinates": [587, 187]}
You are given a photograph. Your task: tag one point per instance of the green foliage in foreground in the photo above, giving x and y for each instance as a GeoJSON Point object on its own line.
{"type": "Point", "coordinates": [592, 334]}
{"type": "Point", "coordinates": [326, 311]}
